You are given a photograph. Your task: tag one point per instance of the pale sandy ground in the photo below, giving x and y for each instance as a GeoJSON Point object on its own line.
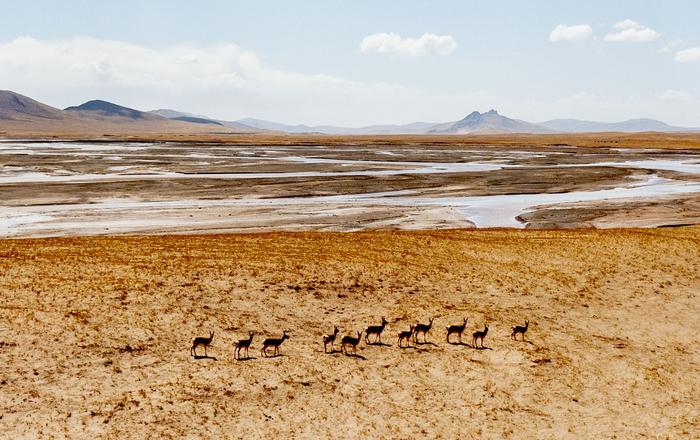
{"type": "Point", "coordinates": [212, 220]}
{"type": "Point", "coordinates": [332, 216]}
{"type": "Point", "coordinates": [94, 335]}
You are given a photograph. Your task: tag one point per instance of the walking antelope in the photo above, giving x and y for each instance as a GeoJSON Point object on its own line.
{"type": "Point", "coordinates": [519, 329]}
{"type": "Point", "coordinates": [200, 340]}
{"type": "Point", "coordinates": [375, 330]}
{"type": "Point", "coordinates": [457, 329]}
{"type": "Point", "coordinates": [405, 335]}
{"type": "Point", "coordinates": [480, 334]}
{"type": "Point", "coordinates": [243, 344]}
{"type": "Point", "coordinates": [330, 339]}
{"type": "Point", "coordinates": [274, 343]}
{"type": "Point", "coordinates": [422, 328]}
{"type": "Point", "coordinates": [350, 340]}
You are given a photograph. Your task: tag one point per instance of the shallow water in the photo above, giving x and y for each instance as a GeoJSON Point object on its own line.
{"type": "Point", "coordinates": [483, 211]}
{"type": "Point", "coordinates": [417, 168]}
{"type": "Point", "coordinates": [10, 222]}
{"type": "Point", "coordinates": [682, 166]}
{"type": "Point", "coordinates": [400, 167]}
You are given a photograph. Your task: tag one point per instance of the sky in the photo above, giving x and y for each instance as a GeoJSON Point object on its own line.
{"type": "Point", "coordinates": [361, 62]}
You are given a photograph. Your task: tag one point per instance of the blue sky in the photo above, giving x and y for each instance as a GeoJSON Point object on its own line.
{"type": "Point", "coordinates": [305, 62]}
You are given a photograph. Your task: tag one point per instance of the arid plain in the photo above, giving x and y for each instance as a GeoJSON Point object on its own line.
{"type": "Point", "coordinates": [96, 335]}
{"type": "Point", "coordinates": [95, 331]}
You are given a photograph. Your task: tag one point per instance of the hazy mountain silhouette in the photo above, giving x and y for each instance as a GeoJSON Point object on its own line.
{"type": "Point", "coordinates": [108, 109]}
{"type": "Point", "coordinates": [14, 106]}
{"type": "Point", "coordinates": [632, 125]}
{"type": "Point", "coordinates": [489, 122]}
{"type": "Point", "coordinates": [23, 114]}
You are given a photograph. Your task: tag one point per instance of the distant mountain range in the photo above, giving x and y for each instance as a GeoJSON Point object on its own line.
{"type": "Point", "coordinates": [181, 116]}
{"type": "Point", "coordinates": [104, 109]}
{"type": "Point", "coordinates": [413, 128]}
{"type": "Point", "coordinates": [21, 114]}
{"type": "Point", "coordinates": [15, 107]}
{"type": "Point", "coordinates": [630, 126]}
{"type": "Point", "coordinates": [490, 122]}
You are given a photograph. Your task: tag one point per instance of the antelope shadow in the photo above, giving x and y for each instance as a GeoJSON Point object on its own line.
{"type": "Point", "coordinates": [379, 343]}
{"type": "Point", "coordinates": [478, 347]}
{"type": "Point", "coordinates": [462, 343]}
{"type": "Point", "coordinates": [425, 343]}
{"type": "Point", "coordinates": [358, 356]}
{"type": "Point", "coordinates": [334, 351]}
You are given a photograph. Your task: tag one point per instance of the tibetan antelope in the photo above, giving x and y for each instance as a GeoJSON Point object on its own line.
{"type": "Point", "coordinates": [330, 339]}
{"type": "Point", "coordinates": [350, 340]}
{"type": "Point", "coordinates": [519, 329]}
{"type": "Point", "coordinates": [376, 330]}
{"type": "Point", "coordinates": [274, 343]}
{"type": "Point", "coordinates": [243, 344]}
{"type": "Point", "coordinates": [201, 340]}
{"type": "Point", "coordinates": [405, 335]}
{"type": "Point", "coordinates": [457, 329]}
{"type": "Point", "coordinates": [422, 328]}
{"type": "Point", "coordinates": [480, 334]}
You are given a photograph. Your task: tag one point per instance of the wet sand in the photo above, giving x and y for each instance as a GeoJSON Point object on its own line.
{"type": "Point", "coordinates": [77, 188]}
{"type": "Point", "coordinates": [660, 211]}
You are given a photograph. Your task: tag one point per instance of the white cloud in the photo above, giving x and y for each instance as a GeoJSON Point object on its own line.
{"type": "Point", "coordinates": [675, 95]}
{"type": "Point", "coordinates": [577, 33]}
{"type": "Point", "coordinates": [394, 44]}
{"type": "Point", "coordinates": [627, 24]}
{"type": "Point", "coordinates": [222, 81]}
{"type": "Point", "coordinates": [582, 96]}
{"type": "Point", "coordinates": [669, 47]}
{"type": "Point", "coordinates": [631, 32]}
{"type": "Point", "coordinates": [691, 55]}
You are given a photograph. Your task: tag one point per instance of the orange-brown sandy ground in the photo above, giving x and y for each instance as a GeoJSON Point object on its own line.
{"type": "Point", "coordinates": [670, 141]}
{"type": "Point", "coordinates": [95, 335]}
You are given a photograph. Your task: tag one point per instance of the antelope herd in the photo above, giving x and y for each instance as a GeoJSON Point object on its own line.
{"type": "Point", "coordinates": [349, 343]}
